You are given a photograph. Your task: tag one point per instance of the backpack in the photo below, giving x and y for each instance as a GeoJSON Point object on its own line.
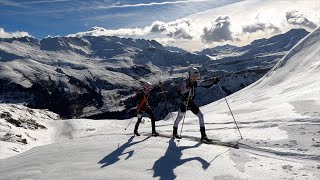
{"type": "Point", "coordinates": [180, 88]}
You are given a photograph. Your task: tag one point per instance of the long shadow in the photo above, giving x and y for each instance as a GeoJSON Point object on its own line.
{"type": "Point", "coordinates": [113, 157]}
{"type": "Point", "coordinates": [164, 167]}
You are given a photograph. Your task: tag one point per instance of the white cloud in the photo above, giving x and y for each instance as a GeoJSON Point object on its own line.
{"type": "Point", "coordinates": [218, 31]}
{"type": "Point", "coordinates": [49, 1]}
{"type": "Point", "coordinates": [10, 3]}
{"type": "Point", "coordinates": [242, 22]}
{"type": "Point", "coordinates": [20, 4]}
{"type": "Point", "coordinates": [119, 5]}
{"type": "Point", "coordinates": [252, 28]}
{"type": "Point", "coordinates": [100, 31]}
{"type": "Point", "coordinates": [96, 5]}
{"type": "Point", "coordinates": [295, 17]}
{"type": "Point", "coordinates": [264, 21]}
{"type": "Point", "coordinates": [165, 41]}
{"type": "Point", "coordinates": [4, 34]}
{"type": "Point", "coordinates": [181, 28]}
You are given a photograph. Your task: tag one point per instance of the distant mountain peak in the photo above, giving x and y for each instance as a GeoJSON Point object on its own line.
{"type": "Point", "coordinates": [175, 49]}
{"type": "Point", "coordinates": [278, 43]}
{"type": "Point", "coordinates": [96, 28]}
{"type": "Point", "coordinates": [295, 30]}
{"type": "Point", "coordinates": [25, 39]}
{"type": "Point", "coordinates": [225, 47]}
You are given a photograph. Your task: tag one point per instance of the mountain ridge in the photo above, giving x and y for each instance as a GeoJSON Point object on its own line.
{"type": "Point", "coordinates": [96, 76]}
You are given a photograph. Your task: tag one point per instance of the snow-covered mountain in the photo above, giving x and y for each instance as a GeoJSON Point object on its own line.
{"type": "Point", "coordinates": [277, 44]}
{"type": "Point", "coordinates": [218, 50]}
{"type": "Point", "coordinates": [96, 76]}
{"type": "Point", "coordinates": [175, 49]}
{"type": "Point", "coordinates": [241, 66]}
{"type": "Point", "coordinates": [82, 76]}
{"type": "Point", "coordinates": [278, 117]}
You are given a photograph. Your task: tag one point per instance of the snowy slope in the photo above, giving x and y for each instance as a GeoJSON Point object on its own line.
{"type": "Point", "coordinates": [22, 128]}
{"type": "Point", "coordinates": [278, 117]}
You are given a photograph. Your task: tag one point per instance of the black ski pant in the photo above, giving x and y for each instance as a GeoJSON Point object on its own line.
{"type": "Point", "coordinates": [194, 108]}
{"type": "Point", "coordinates": [148, 110]}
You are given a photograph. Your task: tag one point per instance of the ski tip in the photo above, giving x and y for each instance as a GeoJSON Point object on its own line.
{"type": "Point", "coordinates": [236, 146]}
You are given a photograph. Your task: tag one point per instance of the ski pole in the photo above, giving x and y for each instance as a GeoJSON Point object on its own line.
{"type": "Point", "coordinates": [230, 109]}
{"type": "Point", "coordinates": [139, 106]}
{"type": "Point", "coordinates": [129, 123]}
{"type": "Point", "coordinates": [162, 92]}
{"type": "Point", "coordinates": [185, 112]}
{"type": "Point", "coordinates": [165, 98]}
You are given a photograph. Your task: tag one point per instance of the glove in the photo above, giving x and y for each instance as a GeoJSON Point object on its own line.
{"type": "Point", "coordinates": [215, 80]}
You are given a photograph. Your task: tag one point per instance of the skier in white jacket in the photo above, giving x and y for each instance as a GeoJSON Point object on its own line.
{"type": "Point", "coordinates": [187, 90]}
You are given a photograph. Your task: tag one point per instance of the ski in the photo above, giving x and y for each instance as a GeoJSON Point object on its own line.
{"type": "Point", "coordinates": [232, 144]}
{"type": "Point", "coordinates": [220, 143]}
{"type": "Point", "coordinates": [160, 135]}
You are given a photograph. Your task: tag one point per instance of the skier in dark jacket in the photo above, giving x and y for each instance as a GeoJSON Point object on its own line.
{"type": "Point", "coordinates": [143, 106]}
{"type": "Point", "coordinates": [187, 90]}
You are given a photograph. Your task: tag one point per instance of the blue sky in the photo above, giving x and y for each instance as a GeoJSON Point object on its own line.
{"type": "Point", "coordinates": [189, 24]}
{"type": "Point", "coordinates": [61, 17]}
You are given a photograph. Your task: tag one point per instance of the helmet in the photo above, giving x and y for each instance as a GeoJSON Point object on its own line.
{"type": "Point", "coordinates": [147, 87]}
{"type": "Point", "coordinates": [194, 71]}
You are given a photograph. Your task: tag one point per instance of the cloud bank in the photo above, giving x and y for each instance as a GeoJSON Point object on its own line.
{"type": "Point", "coordinates": [178, 29]}
{"type": "Point", "coordinates": [218, 31]}
{"type": "Point", "coordinates": [4, 34]}
{"type": "Point", "coordinates": [181, 28]}
{"type": "Point", "coordinates": [294, 17]}
{"type": "Point", "coordinates": [252, 28]}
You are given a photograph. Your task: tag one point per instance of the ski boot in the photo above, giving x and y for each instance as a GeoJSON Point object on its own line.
{"type": "Point", "coordinates": [154, 133]}
{"type": "Point", "coordinates": [175, 133]}
{"type": "Point", "coordinates": [136, 133]}
{"type": "Point", "coordinates": [204, 137]}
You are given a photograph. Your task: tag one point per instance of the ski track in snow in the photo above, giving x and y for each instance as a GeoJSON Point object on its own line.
{"type": "Point", "coordinates": [286, 155]}
{"type": "Point", "coordinates": [112, 147]}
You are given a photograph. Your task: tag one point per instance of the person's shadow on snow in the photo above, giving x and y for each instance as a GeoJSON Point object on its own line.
{"type": "Point", "coordinates": [114, 156]}
{"type": "Point", "coordinates": [165, 166]}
